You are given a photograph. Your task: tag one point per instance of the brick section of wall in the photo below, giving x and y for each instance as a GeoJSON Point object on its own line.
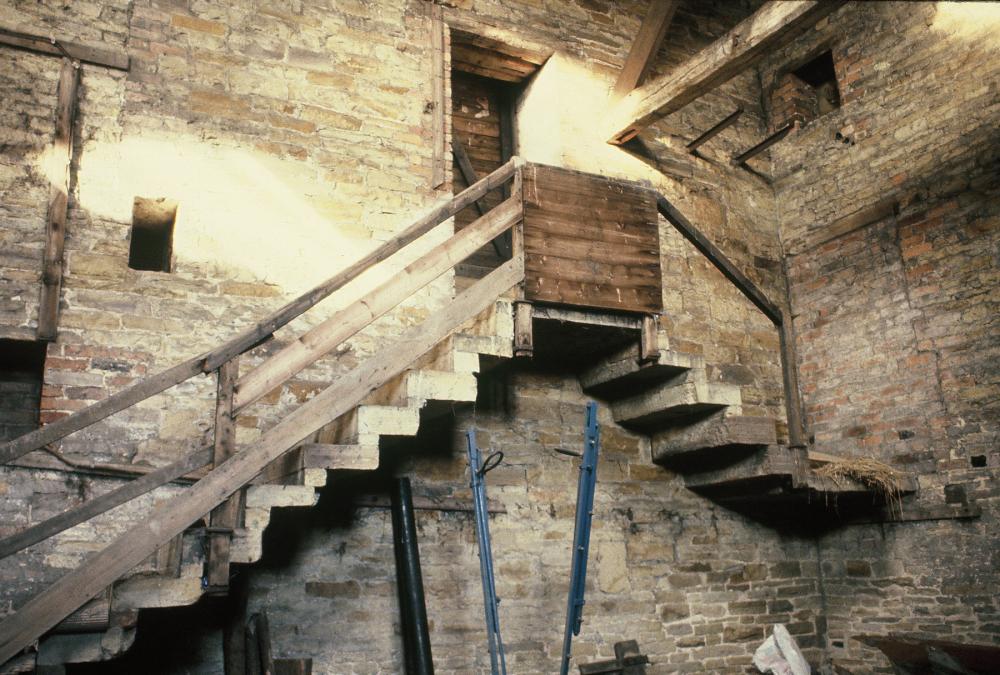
{"type": "Point", "coordinates": [897, 321]}
{"type": "Point", "coordinates": [792, 100]}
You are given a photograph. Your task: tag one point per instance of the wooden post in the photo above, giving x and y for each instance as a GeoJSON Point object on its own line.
{"type": "Point", "coordinates": [438, 101]}
{"type": "Point", "coordinates": [55, 222]}
{"type": "Point", "coordinates": [649, 350]}
{"type": "Point", "coordinates": [226, 516]}
{"type": "Point", "coordinates": [789, 369]}
{"type": "Point", "coordinates": [524, 345]}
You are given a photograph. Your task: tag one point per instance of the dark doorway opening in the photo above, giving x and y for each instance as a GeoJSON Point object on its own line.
{"type": "Point", "coordinates": [22, 363]}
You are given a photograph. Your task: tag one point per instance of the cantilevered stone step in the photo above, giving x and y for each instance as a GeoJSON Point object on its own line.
{"type": "Point", "coordinates": [712, 439]}
{"type": "Point", "coordinates": [622, 374]}
{"type": "Point", "coordinates": [763, 469]}
{"type": "Point", "coordinates": [417, 388]}
{"type": "Point", "coordinates": [676, 402]}
{"type": "Point", "coordinates": [366, 423]}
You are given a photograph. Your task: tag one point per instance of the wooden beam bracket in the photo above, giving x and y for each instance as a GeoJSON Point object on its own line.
{"type": "Point", "coordinates": [645, 47]}
{"type": "Point", "coordinates": [70, 50]}
{"type": "Point", "coordinates": [524, 345]}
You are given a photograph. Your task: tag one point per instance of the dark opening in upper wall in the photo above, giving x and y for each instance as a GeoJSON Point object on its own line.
{"type": "Point", "coordinates": [820, 74]}
{"type": "Point", "coordinates": [151, 244]}
{"type": "Point", "coordinates": [805, 92]}
{"type": "Point", "coordinates": [21, 366]}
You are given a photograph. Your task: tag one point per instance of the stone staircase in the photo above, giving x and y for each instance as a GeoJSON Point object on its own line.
{"type": "Point", "coordinates": [697, 429]}
{"type": "Point", "coordinates": [175, 575]}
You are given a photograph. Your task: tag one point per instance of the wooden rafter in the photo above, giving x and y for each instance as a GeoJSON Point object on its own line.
{"type": "Point", "coordinates": [771, 27]}
{"type": "Point", "coordinates": [647, 44]}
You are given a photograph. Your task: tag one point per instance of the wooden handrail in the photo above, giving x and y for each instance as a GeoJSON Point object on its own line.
{"type": "Point", "coordinates": [170, 518]}
{"type": "Point", "coordinates": [325, 337]}
{"type": "Point", "coordinates": [753, 292]}
{"type": "Point", "coordinates": [257, 333]}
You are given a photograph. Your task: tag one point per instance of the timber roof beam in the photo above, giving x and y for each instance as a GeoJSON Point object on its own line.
{"type": "Point", "coordinates": [771, 27]}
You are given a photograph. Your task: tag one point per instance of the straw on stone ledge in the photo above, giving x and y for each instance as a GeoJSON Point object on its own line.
{"type": "Point", "coordinates": [873, 474]}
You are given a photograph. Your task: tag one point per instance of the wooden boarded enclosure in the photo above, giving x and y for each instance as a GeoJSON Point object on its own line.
{"type": "Point", "coordinates": [590, 241]}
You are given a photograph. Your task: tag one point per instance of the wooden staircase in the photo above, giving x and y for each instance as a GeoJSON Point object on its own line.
{"type": "Point", "coordinates": [183, 548]}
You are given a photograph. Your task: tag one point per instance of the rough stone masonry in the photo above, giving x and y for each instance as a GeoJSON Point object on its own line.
{"type": "Point", "coordinates": [294, 136]}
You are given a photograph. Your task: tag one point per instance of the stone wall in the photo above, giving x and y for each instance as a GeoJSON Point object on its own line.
{"type": "Point", "coordinates": [695, 584]}
{"type": "Point", "coordinates": [294, 139]}
{"type": "Point", "coordinates": [897, 321]}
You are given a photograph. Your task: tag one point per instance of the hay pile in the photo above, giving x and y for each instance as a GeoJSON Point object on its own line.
{"type": "Point", "coordinates": [877, 476]}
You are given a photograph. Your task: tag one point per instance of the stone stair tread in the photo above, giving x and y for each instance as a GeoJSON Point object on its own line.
{"type": "Point", "coordinates": [622, 373]}
{"type": "Point", "coordinates": [436, 383]}
{"type": "Point", "coordinates": [676, 402]}
{"type": "Point", "coordinates": [758, 470]}
{"type": "Point", "coordinates": [716, 434]}
{"type": "Point", "coordinates": [272, 496]}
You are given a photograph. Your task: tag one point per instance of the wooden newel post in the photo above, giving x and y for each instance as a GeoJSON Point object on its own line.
{"type": "Point", "coordinates": [225, 517]}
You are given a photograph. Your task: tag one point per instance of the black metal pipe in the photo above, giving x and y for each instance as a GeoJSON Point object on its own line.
{"type": "Point", "coordinates": [410, 583]}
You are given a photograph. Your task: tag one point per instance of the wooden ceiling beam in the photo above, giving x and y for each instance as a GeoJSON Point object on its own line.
{"type": "Point", "coordinates": [647, 44]}
{"type": "Point", "coordinates": [773, 26]}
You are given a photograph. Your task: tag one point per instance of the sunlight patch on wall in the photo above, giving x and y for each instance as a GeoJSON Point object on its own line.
{"type": "Point", "coordinates": [250, 215]}
{"type": "Point", "coordinates": [562, 120]}
{"type": "Point", "coordinates": [970, 20]}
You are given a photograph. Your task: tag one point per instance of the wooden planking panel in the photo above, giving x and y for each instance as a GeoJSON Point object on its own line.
{"type": "Point", "coordinates": [590, 241]}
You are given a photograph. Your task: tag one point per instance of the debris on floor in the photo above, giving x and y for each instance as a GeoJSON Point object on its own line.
{"type": "Point", "coordinates": [780, 655]}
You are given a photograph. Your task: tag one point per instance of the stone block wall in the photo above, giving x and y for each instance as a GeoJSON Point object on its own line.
{"type": "Point", "coordinates": [897, 320]}
{"type": "Point", "coordinates": [294, 139]}
{"type": "Point", "coordinates": [697, 585]}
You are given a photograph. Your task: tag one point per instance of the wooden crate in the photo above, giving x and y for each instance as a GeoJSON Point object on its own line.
{"type": "Point", "coordinates": [590, 241]}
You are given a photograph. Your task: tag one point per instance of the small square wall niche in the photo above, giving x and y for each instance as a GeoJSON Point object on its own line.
{"type": "Point", "coordinates": [152, 237]}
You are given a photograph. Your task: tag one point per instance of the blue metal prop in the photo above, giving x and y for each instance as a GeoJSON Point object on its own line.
{"type": "Point", "coordinates": [478, 470]}
{"type": "Point", "coordinates": [581, 532]}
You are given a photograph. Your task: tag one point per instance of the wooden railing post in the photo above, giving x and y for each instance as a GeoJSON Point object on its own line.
{"type": "Point", "coordinates": [226, 516]}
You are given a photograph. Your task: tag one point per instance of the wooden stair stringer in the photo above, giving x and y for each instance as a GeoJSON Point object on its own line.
{"type": "Point", "coordinates": [473, 324]}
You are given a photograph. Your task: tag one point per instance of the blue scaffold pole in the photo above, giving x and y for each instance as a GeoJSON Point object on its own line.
{"type": "Point", "coordinates": [478, 470]}
{"type": "Point", "coordinates": [581, 532]}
